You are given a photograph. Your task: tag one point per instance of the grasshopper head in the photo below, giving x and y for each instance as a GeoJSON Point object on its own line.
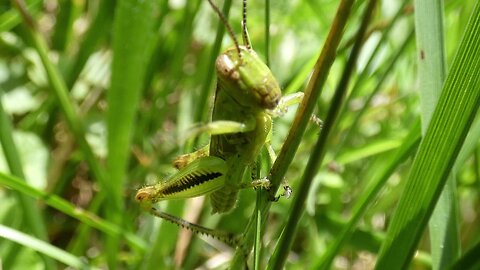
{"type": "Point", "coordinates": [247, 79]}
{"type": "Point", "coordinates": [146, 197]}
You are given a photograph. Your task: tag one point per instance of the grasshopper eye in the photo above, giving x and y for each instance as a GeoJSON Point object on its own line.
{"type": "Point", "coordinates": [144, 194]}
{"type": "Point", "coordinates": [141, 196]}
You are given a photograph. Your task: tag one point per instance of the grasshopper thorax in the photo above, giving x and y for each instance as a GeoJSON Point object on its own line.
{"type": "Point", "coordinates": [247, 79]}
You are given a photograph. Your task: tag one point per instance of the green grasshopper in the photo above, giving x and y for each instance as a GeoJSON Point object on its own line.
{"type": "Point", "coordinates": [246, 98]}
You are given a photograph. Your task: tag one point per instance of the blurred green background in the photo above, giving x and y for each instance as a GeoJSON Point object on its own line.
{"type": "Point", "coordinates": [96, 94]}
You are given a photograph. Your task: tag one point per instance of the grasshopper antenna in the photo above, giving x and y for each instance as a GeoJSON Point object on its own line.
{"type": "Point", "coordinates": [227, 25]}
{"type": "Point", "coordinates": [246, 38]}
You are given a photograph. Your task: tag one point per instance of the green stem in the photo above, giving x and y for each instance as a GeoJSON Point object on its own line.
{"type": "Point", "coordinates": [302, 117]}
{"type": "Point", "coordinates": [279, 257]}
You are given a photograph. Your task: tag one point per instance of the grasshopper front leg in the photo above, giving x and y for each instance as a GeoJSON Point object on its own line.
{"type": "Point", "coordinates": [221, 127]}
{"type": "Point", "coordinates": [185, 159]}
{"type": "Point", "coordinates": [289, 100]}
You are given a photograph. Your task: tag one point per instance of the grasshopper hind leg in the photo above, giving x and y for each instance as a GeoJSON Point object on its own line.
{"type": "Point", "coordinates": [226, 237]}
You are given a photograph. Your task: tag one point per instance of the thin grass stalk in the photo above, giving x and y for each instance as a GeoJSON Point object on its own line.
{"type": "Point", "coordinates": [80, 240]}
{"type": "Point", "coordinates": [365, 73]}
{"type": "Point", "coordinates": [302, 117]}
{"type": "Point", "coordinates": [11, 18]}
{"type": "Point", "coordinates": [279, 257]}
{"type": "Point", "coordinates": [207, 89]}
{"type": "Point", "coordinates": [63, 29]}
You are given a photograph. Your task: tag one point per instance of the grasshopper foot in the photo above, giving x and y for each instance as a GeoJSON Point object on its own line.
{"type": "Point", "coordinates": [261, 183]}
{"type": "Point", "coordinates": [316, 120]}
{"type": "Point", "coordinates": [287, 191]}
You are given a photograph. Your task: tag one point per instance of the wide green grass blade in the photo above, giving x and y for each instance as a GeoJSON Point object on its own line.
{"type": "Point", "coordinates": [444, 241]}
{"type": "Point", "coordinates": [133, 34]}
{"type": "Point", "coordinates": [405, 150]}
{"type": "Point", "coordinates": [451, 120]}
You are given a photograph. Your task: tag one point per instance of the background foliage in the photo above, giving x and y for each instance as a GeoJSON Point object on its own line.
{"type": "Point", "coordinates": [72, 72]}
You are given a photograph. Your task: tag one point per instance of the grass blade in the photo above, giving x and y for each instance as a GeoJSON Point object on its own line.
{"type": "Point", "coordinates": [444, 240]}
{"type": "Point", "coordinates": [312, 93]}
{"type": "Point", "coordinates": [446, 132]}
{"type": "Point", "coordinates": [133, 33]}
{"type": "Point", "coordinates": [284, 244]}
{"type": "Point", "coordinates": [404, 151]}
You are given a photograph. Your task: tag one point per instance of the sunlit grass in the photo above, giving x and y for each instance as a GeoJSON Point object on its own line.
{"type": "Point", "coordinates": [102, 90]}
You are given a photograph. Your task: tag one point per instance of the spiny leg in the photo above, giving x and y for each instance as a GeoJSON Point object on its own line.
{"type": "Point", "coordinates": [200, 177]}
{"type": "Point", "coordinates": [226, 237]}
{"type": "Point", "coordinates": [285, 102]}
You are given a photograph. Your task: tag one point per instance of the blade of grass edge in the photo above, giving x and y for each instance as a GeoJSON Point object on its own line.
{"type": "Point", "coordinates": [315, 85]}
{"type": "Point", "coordinates": [443, 230]}
{"type": "Point", "coordinates": [405, 150]}
{"type": "Point", "coordinates": [280, 254]}
{"type": "Point", "coordinates": [133, 33]}
{"type": "Point", "coordinates": [451, 120]}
